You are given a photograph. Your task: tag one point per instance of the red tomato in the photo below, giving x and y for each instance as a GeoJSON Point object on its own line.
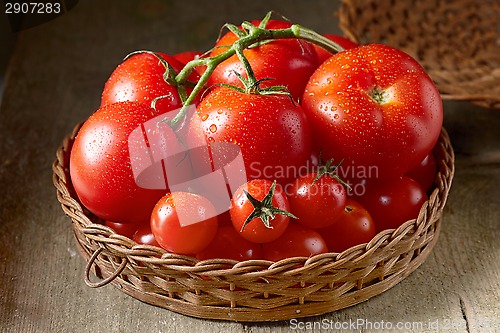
{"type": "Point", "coordinates": [124, 229]}
{"type": "Point", "coordinates": [375, 107]}
{"type": "Point", "coordinates": [100, 164]}
{"type": "Point", "coordinates": [355, 226]}
{"type": "Point", "coordinates": [184, 223]}
{"type": "Point", "coordinates": [187, 56]}
{"type": "Point", "coordinates": [290, 62]}
{"type": "Point", "coordinates": [319, 203]}
{"type": "Point", "coordinates": [272, 132]}
{"type": "Point", "coordinates": [324, 54]}
{"type": "Point", "coordinates": [296, 241]}
{"type": "Point", "coordinates": [224, 219]}
{"type": "Point", "coordinates": [140, 79]}
{"type": "Point", "coordinates": [425, 172]}
{"type": "Point", "coordinates": [392, 202]}
{"type": "Point", "coordinates": [144, 235]}
{"type": "Point", "coordinates": [228, 244]}
{"type": "Point", "coordinates": [242, 208]}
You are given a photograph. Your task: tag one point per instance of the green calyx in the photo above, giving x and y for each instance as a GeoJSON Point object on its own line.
{"type": "Point", "coordinates": [252, 86]}
{"type": "Point", "coordinates": [264, 209]}
{"type": "Point", "coordinates": [328, 169]}
{"type": "Point", "coordinates": [379, 95]}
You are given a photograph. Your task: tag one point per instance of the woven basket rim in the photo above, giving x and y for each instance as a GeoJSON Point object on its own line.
{"type": "Point", "coordinates": [118, 256]}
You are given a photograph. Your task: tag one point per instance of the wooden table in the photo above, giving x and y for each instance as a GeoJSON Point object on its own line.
{"type": "Point", "coordinates": [54, 80]}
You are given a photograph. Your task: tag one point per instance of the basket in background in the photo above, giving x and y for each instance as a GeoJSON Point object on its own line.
{"type": "Point", "coordinates": [456, 41]}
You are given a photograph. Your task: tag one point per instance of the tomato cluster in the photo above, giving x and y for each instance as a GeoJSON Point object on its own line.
{"type": "Point", "coordinates": [335, 147]}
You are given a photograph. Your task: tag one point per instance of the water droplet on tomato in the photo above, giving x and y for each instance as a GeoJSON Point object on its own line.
{"type": "Point", "coordinates": [211, 139]}
{"type": "Point", "coordinates": [213, 128]}
{"type": "Point", "coordinates": [204, 117]}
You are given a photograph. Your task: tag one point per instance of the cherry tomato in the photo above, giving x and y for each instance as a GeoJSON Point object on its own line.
{"type": "Point", "coordinates": [100, 164]}
{"type": "Point", "coordinates": [144, 235]}
{"type": "Point", "coordinates": [316, 203]}
{"type": "Point", "coordinates": [392, 202]}
{"type": "Point", "coordinates": [124, 229]}
{"type": "Point", "coordinates": [224, 219]}
{"type": "Point", "coordinates": [228, 244]}
{"type": "Point", "coordinates": [275, 204]}
{"type": "Point", "coordinates": [355, 226]}
{"type": "Point", "coordinates": [324, 54]}
{"type": "Point", "coordinates": [184, 223]}
{"type": "Point", "coordinates": [375, 107]}
{"type": "Point", "coordinates": [296, 241]}
{"type": "Point", "coordinates": [425, 172]}
{"type": "Point", "coordinates": [140, 78]}
{"type": "Point", "coordinates": [272, 132]}
{"type": "Point", "coordinates": [289, 62]}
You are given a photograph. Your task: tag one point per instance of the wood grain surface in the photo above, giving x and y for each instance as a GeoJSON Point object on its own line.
{"type": "Point", "coordinates": [54, 79]}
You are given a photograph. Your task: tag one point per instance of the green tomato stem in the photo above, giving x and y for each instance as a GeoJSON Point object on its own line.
{"type": "Point", "coordinates": [254, 35]}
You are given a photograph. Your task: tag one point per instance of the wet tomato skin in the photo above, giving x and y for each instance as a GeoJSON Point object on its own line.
{"type": "Point", "coordinates": [392, 202]}
{"type": "Point", "coordinates": [241, 208]}
{"type": "Point", "coordinates": [100, 164]}
{"type": "Point", "coordinates": [355, 226]}
{"type": "Point", "coordinates": [184, 236]}
{"type": "Point", "coordinates": [375, 107]}
{"type": "Point", "coordinates": [272, 132]}
{"type": "Point", "coordinates": [317, 203]}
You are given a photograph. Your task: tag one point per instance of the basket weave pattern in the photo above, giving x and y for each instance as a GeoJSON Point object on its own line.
{"type": "Point", "coordinates": [456, 41]}
{"type": "Point", "coordinates": [254, 290]}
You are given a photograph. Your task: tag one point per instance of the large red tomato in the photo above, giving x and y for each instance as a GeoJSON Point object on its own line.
{"type": "Point", "coordinates": [289, 62]}
{"type": "Point", "coordinates": [101, 168]}
{"type": "Point", "coordinates": [140, 78]}
{"type": "Point", "coordinates": [272, 132]}
{"type": "Point", "coordinates": [375, 107]}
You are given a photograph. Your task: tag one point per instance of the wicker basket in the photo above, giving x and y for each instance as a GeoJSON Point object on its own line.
{"type": "Point", "coordinates": [456, 41]}
{"type": "Point", "coordinates": [254, 290]}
